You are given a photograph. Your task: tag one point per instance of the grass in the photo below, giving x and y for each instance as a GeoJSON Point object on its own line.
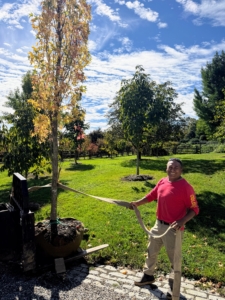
{"type": "Point", "coordinates": [204, 238]}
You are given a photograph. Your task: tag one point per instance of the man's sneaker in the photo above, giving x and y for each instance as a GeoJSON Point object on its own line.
{"type": "Point", "coordinates": [146, 279]}
{"type": "Point", "coordinates": [168, 296]}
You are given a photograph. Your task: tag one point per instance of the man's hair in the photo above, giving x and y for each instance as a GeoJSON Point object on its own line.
{"type": "Point", "coordinates": [177, 160]}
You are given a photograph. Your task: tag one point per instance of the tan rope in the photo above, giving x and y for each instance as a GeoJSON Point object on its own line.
{"type": "Point", "coordinates": [37, 187]}
{"type": "Point", "coordinates": [109, 200]}
{"type": "Point", "coordinates": [137, 212]}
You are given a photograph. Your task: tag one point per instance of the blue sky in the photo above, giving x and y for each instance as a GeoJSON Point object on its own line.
{"type": "Point", "coordinates": [171, 39]}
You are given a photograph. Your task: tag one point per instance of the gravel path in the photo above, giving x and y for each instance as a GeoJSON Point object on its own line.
{"type": "Point", "coordinates": [43, 286]}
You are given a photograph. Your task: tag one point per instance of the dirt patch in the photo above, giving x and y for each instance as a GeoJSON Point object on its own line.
{"type": "Point", "coordinates": [137, 178]}
{"type": "Point", "coordinates": [66, 228]}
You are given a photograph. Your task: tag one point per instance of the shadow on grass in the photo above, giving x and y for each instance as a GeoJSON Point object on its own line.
{"type": "Point", "coordinates": [146, 164]}
{"type": "Point", "coordinates": [210, 221]}
{"type": "Point", "coordinates": [80, 167]}
{"type": "Point", "coordinates": [205, 166]}
{"type": "Point", "coordinates": [147, 187]}
{"type": "Point", "coordinates": [4, 192]}
{"type": "Point", "coordinates": [40, 181]}
{"type": "Point", "coordinates": [139, 190]}
{"type": "Point", "coordinates": [41, 196]}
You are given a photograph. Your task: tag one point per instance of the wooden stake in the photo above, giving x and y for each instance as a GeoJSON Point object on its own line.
{"type": "Point", "coordinates": [177, 267]}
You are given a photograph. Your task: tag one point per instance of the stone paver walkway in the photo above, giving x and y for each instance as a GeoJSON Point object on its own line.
{"type": "Point", "coordinates": [122, 282]}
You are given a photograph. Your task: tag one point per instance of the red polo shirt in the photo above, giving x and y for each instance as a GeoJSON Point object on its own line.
{"type": "Point", "coordinates": [174, 199]}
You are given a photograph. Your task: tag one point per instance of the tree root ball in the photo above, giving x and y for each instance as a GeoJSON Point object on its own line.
{"type": "Point", "coordinates": [68, 238]}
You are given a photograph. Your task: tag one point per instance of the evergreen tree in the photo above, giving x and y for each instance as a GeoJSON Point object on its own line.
{"type": "Point", "coordinates": [213, 83]}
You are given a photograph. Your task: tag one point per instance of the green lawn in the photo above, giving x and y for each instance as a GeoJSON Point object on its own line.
{"type": "Point", "coordinates": [204, 239]}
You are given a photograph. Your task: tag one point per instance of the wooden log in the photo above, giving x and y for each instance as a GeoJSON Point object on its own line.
{"type": "Point", "coordinates": [177, 267]}
{"type": "Point", "coordinates": [83, 253]}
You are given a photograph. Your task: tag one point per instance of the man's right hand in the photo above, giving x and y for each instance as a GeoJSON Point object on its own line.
{"type": "Point", "coordinates": [132, 204]}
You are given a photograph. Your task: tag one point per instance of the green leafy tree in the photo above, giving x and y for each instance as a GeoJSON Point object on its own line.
{"type": "Point", "coordinates": [3, 137]}
{"type": "Point", "coordinates": [220, 116]}
{"type": "Point", "coordinates": [23, 149]}
{"type": "Point", "coordinates": [213, 83]}
{"type": "Point", "coordinates": [171, 124]}
{"type": "Point", "coordinates": [169, 130]}
{"type": "Point", "coordinates": [203, 130]}
{"type": "Point", "coordinates": [141, 104]}
{"type": "Point", "coordinates": [95, 135]}
{"type": "Point", "coordinates": [75, 133]}
{"type": "Point", "coordinates": [190, 128]}
{"type": "Point", "coordinates": [111, 142]}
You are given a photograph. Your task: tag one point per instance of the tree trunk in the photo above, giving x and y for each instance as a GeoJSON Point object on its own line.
{"type": "Point", "coordinates": [76, 156]}
{"type": "Point", "coordinates": [138, 161]}
{"type": "Point", "coordinates": [54, 158]}
{"type": "Point", "coordinates": [139, 155]}
{"type": "Point", "coordinates": [54, 127]}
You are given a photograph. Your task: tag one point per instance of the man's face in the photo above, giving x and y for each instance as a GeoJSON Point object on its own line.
{"type": "Point", "coordinates": [173, 170]}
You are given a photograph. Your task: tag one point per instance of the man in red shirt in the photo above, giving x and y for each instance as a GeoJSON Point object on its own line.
{"type": "Point", "coordinates": [176, 205]}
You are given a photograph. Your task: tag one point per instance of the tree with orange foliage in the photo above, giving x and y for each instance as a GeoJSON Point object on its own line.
{"type": "Point", "coordinates": [59, 57]}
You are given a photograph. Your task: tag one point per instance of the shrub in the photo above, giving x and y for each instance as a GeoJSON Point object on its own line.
{"type": "Point", "coordinates": [220, 148]}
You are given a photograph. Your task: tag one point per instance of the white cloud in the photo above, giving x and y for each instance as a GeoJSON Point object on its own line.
{"type": "Point", "coordinates": [102, 35]}
{"type": "Point", "coordinates": [104, 10]}
{"type": "Point", "coordinates": [189, 5]}
{"type": "Point", "coordinates": [121, 2]}
{"type": "Point", "coordinates": [125, 41]}
{"type": "Point", "coordinates": [23, 50]}
{"type": "Point", "coordinates": [13, 67]}
{"type": "Point", "coordinates": [142, 12]}
{"type": "Point", "coordinates": [12, 13]}
{"type": "Point", "coordinates": [19, 26]}
{"type": "Point", "coordinates": [92, 46]}
{"type": "Point", "coordinates": [179, 64]}
{"type": "Point", "coordinates": [126, 45]}
{"type": "Point", "coordinates": [162, 25]}
{"type": "Point", "coordinates": [157, 38]}
{"type": "Point", "coordinates": [206, 9]}
{"type": "Point", "coordinates": [19, 50]}
{"type": "Point", "coordinates": [33, 32]}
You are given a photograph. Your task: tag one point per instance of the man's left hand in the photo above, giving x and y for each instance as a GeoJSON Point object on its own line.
{"type": "Point", "coordinates": [177, 225]}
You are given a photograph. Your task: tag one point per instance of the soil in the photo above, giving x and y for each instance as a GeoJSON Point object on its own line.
{"type": "Point", "coordinates": [66, 230]}
{"type": "Point", "coordinates": [137, 178]}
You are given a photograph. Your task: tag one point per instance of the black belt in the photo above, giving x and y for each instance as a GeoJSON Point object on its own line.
{"type": "Point", "coordinates": [163, 222]}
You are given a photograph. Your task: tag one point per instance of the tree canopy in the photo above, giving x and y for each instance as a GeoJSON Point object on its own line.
{"type": "Point", "coordinates": [140, 105]}
{"type": "Point", "coordinates": [75, 133]}
{"type": "Point", "coordinates": [213, 83]}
